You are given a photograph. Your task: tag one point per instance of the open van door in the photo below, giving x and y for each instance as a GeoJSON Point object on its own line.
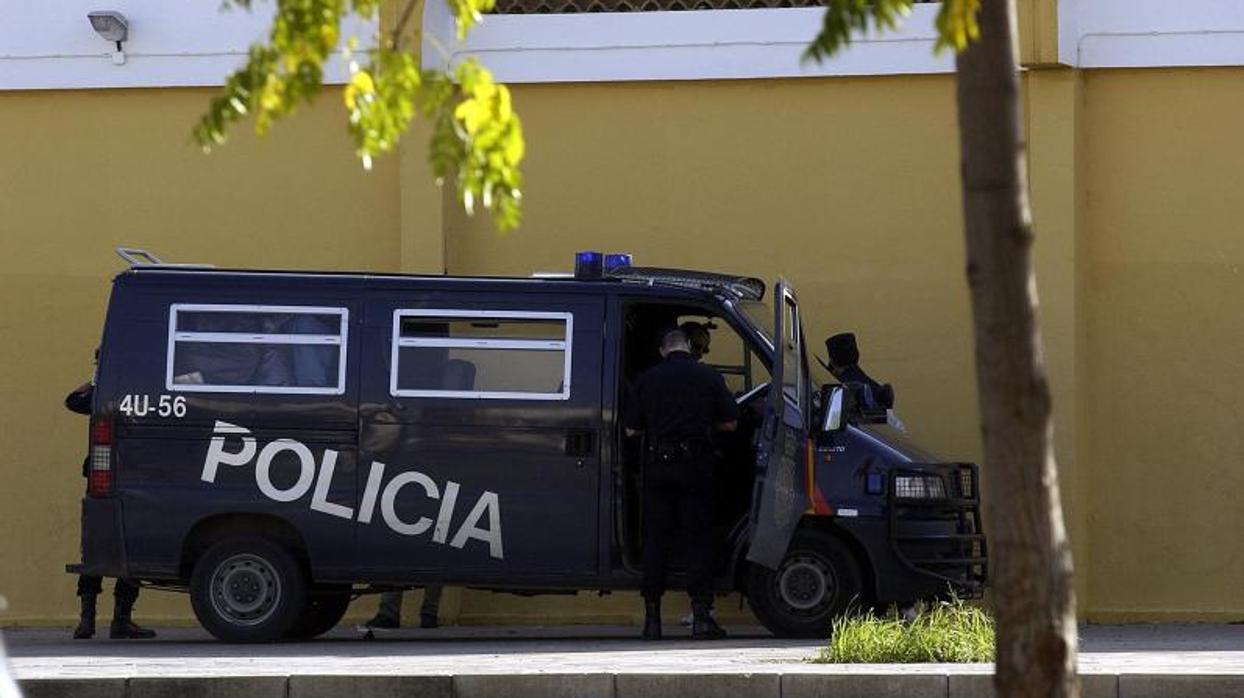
{"type": "Point", "coordinates": [778, 497]}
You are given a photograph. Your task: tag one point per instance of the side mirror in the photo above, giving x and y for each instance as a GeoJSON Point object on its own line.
{"type": "Point", "coordinates": [834, 410]}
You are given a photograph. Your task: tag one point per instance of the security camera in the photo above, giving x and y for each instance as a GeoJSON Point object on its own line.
{"type": "Point", "coordinates": [110, 25]}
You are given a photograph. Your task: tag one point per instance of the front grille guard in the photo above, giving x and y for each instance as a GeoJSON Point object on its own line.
{"type": "Point", "coordinates": [961, 558]}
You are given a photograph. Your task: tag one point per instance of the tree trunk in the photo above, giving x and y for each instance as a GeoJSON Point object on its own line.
{"type": "Point", "coordinates": [1030, 560]}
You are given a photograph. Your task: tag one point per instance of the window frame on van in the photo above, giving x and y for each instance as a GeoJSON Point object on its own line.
{"type": "Point", "coordinates": [565, 345]}
{"type": "Point", "coordinates": [340, 340]}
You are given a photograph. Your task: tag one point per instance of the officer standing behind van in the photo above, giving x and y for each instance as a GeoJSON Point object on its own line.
{"type": "Point", "coordinates": [679, 402]}
{"type": "Point", "coordinates": [844, 363]}
{"type": "Point", "coordinates": [389, 616]}
{"type": "Point", "coordinates": [125, 592]}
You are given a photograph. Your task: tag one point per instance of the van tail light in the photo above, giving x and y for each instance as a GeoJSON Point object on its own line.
{"type": "Point", "coordinates": [99, 480]}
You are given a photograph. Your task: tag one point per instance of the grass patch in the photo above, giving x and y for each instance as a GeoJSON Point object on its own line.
{"type": "Point", "coordinates": [948, 631]}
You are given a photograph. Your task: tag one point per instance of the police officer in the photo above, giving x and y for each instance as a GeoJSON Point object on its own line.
{"type": "Point", "coordinates": [389, 616]}
{"type": "Point", "coordinates": [679, 402]}
{"type": "Point", "coordinates": [698, 337]}
{"type": "Point", "coordinates": [125, 592]}
{"type": "Point", "coordinates": [844, 363]}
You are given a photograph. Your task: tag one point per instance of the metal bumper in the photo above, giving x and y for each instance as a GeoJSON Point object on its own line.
{"type": "Point", "coordinates": [941, 537]}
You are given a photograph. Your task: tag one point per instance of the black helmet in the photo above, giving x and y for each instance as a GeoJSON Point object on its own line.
{"type": "Point", "coordinates": [842, 350]}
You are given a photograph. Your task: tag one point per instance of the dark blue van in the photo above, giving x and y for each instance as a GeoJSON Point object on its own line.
{"type": "Point", "coordinates": [278, 442]}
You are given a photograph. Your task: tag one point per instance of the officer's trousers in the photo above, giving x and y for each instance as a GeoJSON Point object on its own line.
{"type": "Point", "coordinates": [679, 506]}
{"type": "Point", "coordinates": [391, 602]}
{"type": "Point", "coordinates": [124, 590]}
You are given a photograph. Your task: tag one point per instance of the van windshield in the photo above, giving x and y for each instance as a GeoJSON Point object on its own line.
{"type": "Point", "coordinates": [760, 315]}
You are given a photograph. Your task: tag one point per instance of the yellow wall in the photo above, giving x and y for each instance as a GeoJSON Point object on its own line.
{"type": "Point", "coordinates": [847, 186]}
{"type": "Point", "coordinates": [1164, 301]}
{"type": "Point", "coordinates": [1051, 108]}
{"type": "Point", "coordinates": [84, 172]}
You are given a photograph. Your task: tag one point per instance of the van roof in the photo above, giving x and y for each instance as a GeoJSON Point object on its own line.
{"type": "Point", "coordinates": [689, 280]}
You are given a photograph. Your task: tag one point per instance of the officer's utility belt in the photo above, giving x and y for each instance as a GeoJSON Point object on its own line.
{"type": "Point", "coordinates": [679, 450]}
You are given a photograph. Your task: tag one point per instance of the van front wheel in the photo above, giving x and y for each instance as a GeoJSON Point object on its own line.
{"type": "Point", "coordinates": [815, 583]}
{"type": "Point", "coordinates": [248, 589]}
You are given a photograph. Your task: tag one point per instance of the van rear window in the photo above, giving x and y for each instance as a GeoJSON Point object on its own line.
{"type": "Point", "coordinates": [257, 349]}
{"type": "Point", "coordinates": [481, 354]}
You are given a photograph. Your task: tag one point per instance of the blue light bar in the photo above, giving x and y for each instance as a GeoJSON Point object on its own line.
{"type": "Point", "coordinates": [588, 265]}
{"type": "Point", "coordinates": [617, 261]}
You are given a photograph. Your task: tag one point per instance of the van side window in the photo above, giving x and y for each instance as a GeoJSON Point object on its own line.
{"type": "Point", "coordinates": [503, 354]}
{"type": "Point", "coordinates": [257, 349]}
{"type": "Point", "coordinates": [791, 345]}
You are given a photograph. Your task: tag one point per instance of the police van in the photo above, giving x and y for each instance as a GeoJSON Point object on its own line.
{"type": "Point", "coordinates": [277, 443]}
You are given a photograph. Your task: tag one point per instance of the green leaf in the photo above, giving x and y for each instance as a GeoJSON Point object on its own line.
{"type": "Point", "coordinates": [475, 131]}
{"type": "Point", "coordinates": [280, 74]}
{"type": "Point", "coordinates": [380, 102]}
{"type": "Point", "coordinates": [956, 24]}
{"type": "Point", "coordinates": [845, 17]}
{"type": "Point", "coordinates": [490, 142]}
{"type": "Point", "coordinates": [468, 13]}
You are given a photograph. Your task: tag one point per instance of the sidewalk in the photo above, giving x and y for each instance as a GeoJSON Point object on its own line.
{"type": "Point", "coordinates": [1134, 661]}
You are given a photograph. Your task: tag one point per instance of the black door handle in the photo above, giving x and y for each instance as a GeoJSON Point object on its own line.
{"type": "Point", "coordinates": [580, 442]}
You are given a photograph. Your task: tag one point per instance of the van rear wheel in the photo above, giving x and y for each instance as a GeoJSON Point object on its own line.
{"type": "Point", "coordinates": [814, 584]}
{"type": "Point", "coordinates": [248, 589]}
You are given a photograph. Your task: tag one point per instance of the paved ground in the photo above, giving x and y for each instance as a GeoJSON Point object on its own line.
{"type": "Point", "coordinates": [49, 653]}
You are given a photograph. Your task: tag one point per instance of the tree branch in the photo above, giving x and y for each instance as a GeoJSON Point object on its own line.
{"type": "Point", "coordinates": [403, 20]}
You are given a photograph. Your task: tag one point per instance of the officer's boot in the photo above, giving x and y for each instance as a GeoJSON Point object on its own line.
{"type": "Point", "coordinates": [123, 626]}
{"type": "Point", "coordinates": [703, 627]}
{"type": "Point", "coordinates": [86, 624]}
{"type": "Point", "coordinates": [652, 619]}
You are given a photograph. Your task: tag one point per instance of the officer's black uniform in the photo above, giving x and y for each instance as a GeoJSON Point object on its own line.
{"type": "Point", "coordinates": [125, 592]}
{"type": "Point", "coordinates": [844, 356]}
{"type": "Point", "coordinates": [854, 374]}
{"type": "Point", "coordinates": [677, 404]}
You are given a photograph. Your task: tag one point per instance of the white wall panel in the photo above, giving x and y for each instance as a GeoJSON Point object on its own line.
{"type": "Point", "coordinates": [51, 45]}
{"type": "Point", "coordinates": [1156, 33]}
{"type": "Point", "coordinates": [686, 45]}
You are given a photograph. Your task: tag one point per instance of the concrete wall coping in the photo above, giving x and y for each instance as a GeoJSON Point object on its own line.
{"type": "Point", "coordinates": [795, 683]}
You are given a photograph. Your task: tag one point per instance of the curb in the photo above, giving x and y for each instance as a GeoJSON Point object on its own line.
{"type": "Point", "coordinates": [603, 685]}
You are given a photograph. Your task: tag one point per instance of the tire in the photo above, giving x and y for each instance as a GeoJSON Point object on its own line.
{"type": "Point", "coordinates": [324, 610]}
{"type": "Point", "coordinates": [248, 589]}
{"type": "Point", "coordinates": [816, 582]}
